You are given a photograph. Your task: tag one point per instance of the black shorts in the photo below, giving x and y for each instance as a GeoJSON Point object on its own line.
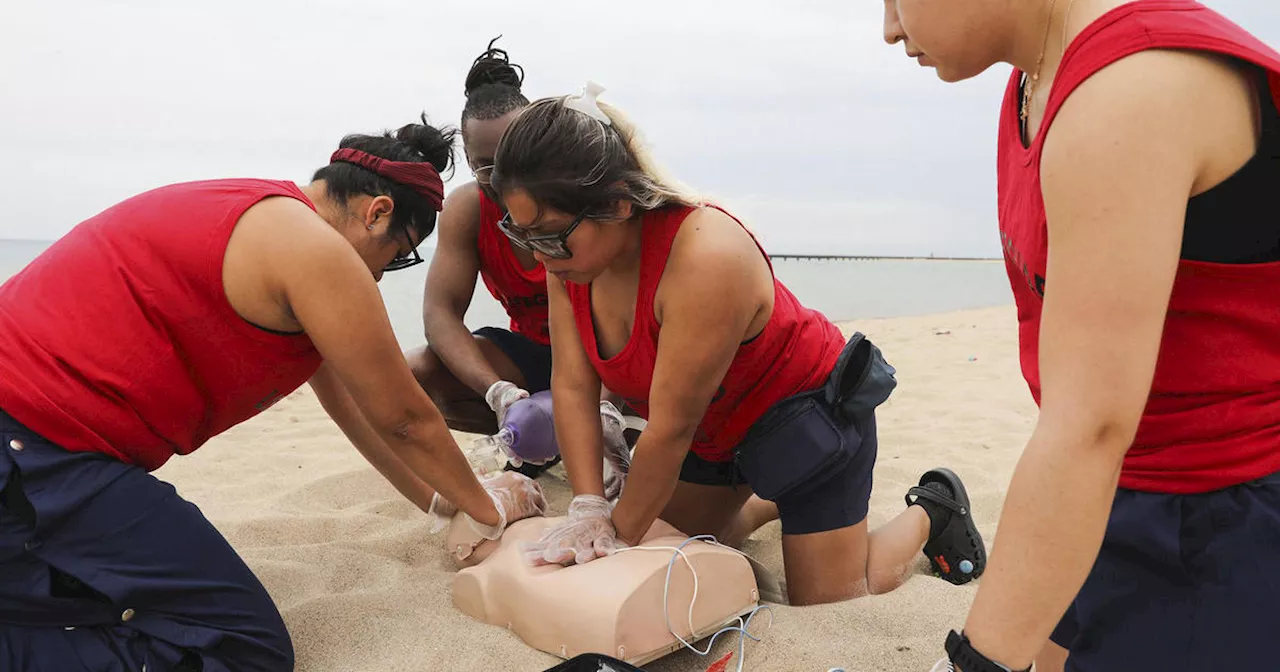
{"type": "Point", "coordinates": [533, 359]}
{"type": "Point", "coordinates": [829, 501]}
{"type": "Point", "coordinates": [1182, 582]}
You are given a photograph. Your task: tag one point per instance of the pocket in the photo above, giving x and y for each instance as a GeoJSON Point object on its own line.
{"type": "Point", "coordinates": [14, 499]}
{"type": "Point", "coordinates": [861, 379]}
{"type": "Point", "coordinates": [797, 441]}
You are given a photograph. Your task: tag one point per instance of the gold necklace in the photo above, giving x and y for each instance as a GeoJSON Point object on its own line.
{"type": "Point", "coordinates": [1029, 87]}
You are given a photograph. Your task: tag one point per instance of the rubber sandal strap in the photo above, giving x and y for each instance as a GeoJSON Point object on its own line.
{"type": "Point", "coordinates": [937, 497]}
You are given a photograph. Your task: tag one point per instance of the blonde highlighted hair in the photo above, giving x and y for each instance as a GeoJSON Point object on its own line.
{"type": "Point", "coordinates": [572, 162]}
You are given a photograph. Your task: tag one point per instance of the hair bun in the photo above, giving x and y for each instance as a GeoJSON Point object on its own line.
{"type": "Point", "coordinates": [434, 144]}
{"type": "Point", "coordinates": [493, 67]}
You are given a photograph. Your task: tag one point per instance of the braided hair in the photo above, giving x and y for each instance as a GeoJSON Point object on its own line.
{"type": "Point", "coordinates": [493, 86]}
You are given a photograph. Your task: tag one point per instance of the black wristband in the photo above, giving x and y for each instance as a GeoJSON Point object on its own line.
{"type": "Point", "coordinates": [967, 658]}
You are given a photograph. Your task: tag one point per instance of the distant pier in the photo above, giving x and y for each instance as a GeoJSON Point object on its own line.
{"type": "Point", "coordinates": [851, 257]}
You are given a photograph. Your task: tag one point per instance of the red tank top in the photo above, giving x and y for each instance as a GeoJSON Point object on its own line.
{"type": "Point", "coordinates": [119, 338]}
{"type": "Point", "coordinates": [523, 293]}
{"type": "Point", "coordinates": [794, 353]}
{"type": "Point", "coordinates": [1213, 416]}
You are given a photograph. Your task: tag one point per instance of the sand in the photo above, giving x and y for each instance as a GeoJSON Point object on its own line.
{"type": "Point", "coordinates": [364, 586]}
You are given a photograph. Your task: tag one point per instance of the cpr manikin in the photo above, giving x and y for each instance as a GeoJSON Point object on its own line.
{"type": "Point", "coordinates": [613, 605]}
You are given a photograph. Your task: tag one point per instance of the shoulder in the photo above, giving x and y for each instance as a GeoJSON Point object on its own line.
{"type": "Point", "coordinates": [713, 250]}
{"type": "Point", "coordinates": [1155, 105]}
{"type": "Point", "coordinates": [460, 215]}
{"type": "Point", "coordinates": [284, 231]}
{"type": "Point", "coordinates": [712, 239]}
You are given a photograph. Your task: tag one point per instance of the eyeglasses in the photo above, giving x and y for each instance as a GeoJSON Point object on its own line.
{"type": "Point", "coordinates": [483, 174]}
{"type": "Point", "coordinates": [551, 245]}
{"type": "Point", "coordinates": [403, 261]}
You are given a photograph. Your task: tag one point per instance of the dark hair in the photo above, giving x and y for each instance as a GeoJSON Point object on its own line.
{"type": "Point", "coordinates": [493, 86]}
{"type": "Point", "coordinates": [574, 163]}
{"type": "Point", "coordinates": [415, 143]}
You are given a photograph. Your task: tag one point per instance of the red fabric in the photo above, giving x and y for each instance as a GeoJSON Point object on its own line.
{"type": "Point", "coordinates": [794, 353]}
{"type": "Point", "coordinates": [523, 293]}
{"type": "Point", "coordinates": [421, 177]}
{"type": "Point", "coordinates": [119, 338]}
{"type": "Point", "coordinates": [1213, 417]}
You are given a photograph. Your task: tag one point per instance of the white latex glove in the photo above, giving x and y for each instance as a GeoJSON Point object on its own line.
{"type": "Point", "coordinates": [586, 534]}
{"type": "Point", "coordinates": [501, 395]}
{"type": "Point", "coordinates": [617, 454]}
{"type": "Point", "coordinates": [516, 497]}
{"type": "Point", "coordinates": [440, 512]}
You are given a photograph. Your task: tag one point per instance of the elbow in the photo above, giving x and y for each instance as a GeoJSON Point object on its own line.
{"type": "Point", "coordinates": [673, 436]}
{"type": "Point", "coordinates": [1105, 438]}
{"type": "Point", "coordinates": [405, 427]}
{"type": "Point", "coordinates": [430, 319]}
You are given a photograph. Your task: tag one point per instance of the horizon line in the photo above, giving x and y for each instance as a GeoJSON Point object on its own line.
{"type": "Point", "coordinates": [784, 255]}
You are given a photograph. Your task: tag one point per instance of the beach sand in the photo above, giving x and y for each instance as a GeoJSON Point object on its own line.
{"type": "Point", "coordinates": [364, 586]}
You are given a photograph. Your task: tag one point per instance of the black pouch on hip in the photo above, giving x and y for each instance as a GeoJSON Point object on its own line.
{"type": "Point", "coordinates": [806, 437]}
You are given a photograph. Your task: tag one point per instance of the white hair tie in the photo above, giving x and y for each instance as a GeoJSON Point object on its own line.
{"type": "Point", "coordinates": [587, 104]}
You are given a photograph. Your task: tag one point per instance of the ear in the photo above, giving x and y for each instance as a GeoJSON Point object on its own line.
{"type": "Point", "coordinates": [624, 209]}
{"type": "Point", "coordinates": [379, 206]}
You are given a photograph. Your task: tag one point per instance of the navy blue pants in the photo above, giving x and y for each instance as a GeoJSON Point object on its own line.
{"type": "Point", "coordinates": [103, 567]}
{"type": "Point", "coordinates": [1183, 582]}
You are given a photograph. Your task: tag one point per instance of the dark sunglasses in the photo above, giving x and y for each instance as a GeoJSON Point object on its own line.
{"type": "Point", "coordinates": [403, 261]}
{"type": "Point", "coordinates": [550, 245]}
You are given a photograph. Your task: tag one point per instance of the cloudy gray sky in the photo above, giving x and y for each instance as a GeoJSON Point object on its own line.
{"type": "Point", "coordinates": [795, 114]}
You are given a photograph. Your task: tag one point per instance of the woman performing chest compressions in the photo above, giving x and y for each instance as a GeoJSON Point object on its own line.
{"type": "Point", "coordinates": [670, 302]}
{"type": "Point", "coordinates": [193, 308]}
{"type": "Point", "coordinates": [1139, 175]}
{"type": "Point", "coordinates": [475, 377]}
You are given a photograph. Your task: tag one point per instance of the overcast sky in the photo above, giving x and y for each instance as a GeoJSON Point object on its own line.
{"type": "Point", "coordinates": [794, 114]}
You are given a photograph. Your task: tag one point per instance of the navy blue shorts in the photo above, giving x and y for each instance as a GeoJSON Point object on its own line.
{"type": "Point", "coordinates": [533, 359]}
{"type": "Point", "coordinates": [105, 567]}
{"type": "Point", "coordinates": [1183, 582]}
{"type": "Point", "coordinates": [834, 499]}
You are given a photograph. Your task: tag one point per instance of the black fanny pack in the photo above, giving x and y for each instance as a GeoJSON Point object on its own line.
{"type": "Point", "coordinates": [812, 434]}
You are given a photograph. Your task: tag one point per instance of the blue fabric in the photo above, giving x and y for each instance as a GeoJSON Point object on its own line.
{"type": "Point", "coordinates": [533, 359]}
{"type": "Point", "coordinates": [105, 567]}
{"type": "Point", "coordinates": [834, 499]}
{"type": "Point", "coordinates": [1183, 582]}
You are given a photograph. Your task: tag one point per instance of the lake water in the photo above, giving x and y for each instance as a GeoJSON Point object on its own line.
{"type": "Point", "coordinates": [843, 289]}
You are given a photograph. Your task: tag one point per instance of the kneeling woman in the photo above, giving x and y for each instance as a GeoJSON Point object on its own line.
{"type": "Point", "coordinates": [672, 304]}
{"type": "Point", "coordinates": [194, 307]}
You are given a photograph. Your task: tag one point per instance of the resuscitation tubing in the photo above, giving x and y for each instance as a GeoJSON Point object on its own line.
{"type": "Point", "coordinates": [744, 623]}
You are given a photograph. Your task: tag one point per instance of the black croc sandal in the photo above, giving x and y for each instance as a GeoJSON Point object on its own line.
{"type": "Point", "coordinates": [955, 549]}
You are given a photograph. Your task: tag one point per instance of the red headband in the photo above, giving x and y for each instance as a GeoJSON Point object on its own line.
{"type": "Point", "coordinates": [421, 177]}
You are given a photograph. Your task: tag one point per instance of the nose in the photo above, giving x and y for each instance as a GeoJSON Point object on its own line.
{"type": "Point", "coordinates": [892, 26]}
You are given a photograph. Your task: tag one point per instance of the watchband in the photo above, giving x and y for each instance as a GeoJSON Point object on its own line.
{"type": "Point", "coordinates": [967, 658]}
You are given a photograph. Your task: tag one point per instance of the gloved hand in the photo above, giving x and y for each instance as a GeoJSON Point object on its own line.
{"type": "Point", "coordinates": [515, 495]}
{"type": "Point", "coordinates": [586, 534]}
{"type": "Point", "coordinates": [617, 454]}
{"type": "Point", "coordinates": [440, 513]}
{"type": "Point", "coordinates": [501, 395]}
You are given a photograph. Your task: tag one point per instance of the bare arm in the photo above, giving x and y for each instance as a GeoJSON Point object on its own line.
{"type": "Point", "coordinates": [451, 282]}
{"type": "Point", "coordinates": [1123, 157]}
{"type": "Point", "coordinates": [575, 396]}
{"type": "Point", "coordinates": [715, 286]}
{"type": "Point", "coordinates": [325, 286]}
{"type": "Point", "coordinates": [337, 402]}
